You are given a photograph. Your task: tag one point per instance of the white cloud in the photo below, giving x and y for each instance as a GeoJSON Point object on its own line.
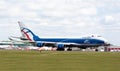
{"type": "Point", "coordinates": [2, 5]}
{"type": "Point", "coordinates": [108, 18]}
{"type": "Point", "coordinates": [88, 11]}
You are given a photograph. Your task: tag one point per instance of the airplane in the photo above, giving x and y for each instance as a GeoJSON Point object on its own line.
{"type": "Point", "coordinates": [61, 43]}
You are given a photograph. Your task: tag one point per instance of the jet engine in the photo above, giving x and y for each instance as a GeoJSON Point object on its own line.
{"type": "Point", "coordinates": [60, 47]}
{"type": "Point", "coordinates": [39, 44]}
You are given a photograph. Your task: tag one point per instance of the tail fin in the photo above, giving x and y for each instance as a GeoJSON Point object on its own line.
{"type": "Point", "coordinates": [27, 33]}
{"type": "Point", "coordinates": [21, 27]}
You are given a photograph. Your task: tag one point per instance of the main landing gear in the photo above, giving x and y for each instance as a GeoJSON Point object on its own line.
{"type": "Point", "coordinates": [69, 49]}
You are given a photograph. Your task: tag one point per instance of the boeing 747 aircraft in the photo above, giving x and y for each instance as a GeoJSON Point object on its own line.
{"type": "Point", "coordinates": [61, 43]}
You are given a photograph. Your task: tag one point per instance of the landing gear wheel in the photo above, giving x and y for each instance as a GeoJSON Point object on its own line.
{"type": "Point", "coordinates": [69, 49]}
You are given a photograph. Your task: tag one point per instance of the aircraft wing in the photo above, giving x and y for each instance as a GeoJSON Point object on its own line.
{"type": "Point", "coordinates": [71, 45]}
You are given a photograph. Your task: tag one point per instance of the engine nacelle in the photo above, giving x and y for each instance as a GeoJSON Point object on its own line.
{"type": "Point", "coordinates": [39, 44]}
{"type": "Point", "coordinates": [60, 47]}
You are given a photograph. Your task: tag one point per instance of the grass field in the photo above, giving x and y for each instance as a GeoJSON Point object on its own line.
{"type": "Point", "coordinates": [59, 61]}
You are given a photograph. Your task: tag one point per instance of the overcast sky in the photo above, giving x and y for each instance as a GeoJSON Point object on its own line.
{"type": "Point", "coordinates": [62, 18]}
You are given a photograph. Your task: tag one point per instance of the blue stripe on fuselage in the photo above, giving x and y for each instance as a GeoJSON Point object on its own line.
{"type": "Point", "coordinates": [70, 40]}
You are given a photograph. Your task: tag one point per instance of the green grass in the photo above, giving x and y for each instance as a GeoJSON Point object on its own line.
{"type": "Point", "coordinates": [59, 61]}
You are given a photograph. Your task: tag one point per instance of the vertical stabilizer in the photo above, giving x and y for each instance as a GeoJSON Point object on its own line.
{"type": "Point", "coordinates": [21, 27]}
{"type": "Point", "coordinates": [27, 33]}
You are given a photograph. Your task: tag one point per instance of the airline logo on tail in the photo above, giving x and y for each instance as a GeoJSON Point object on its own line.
{"type": "Point", "coordinates": [27, 33]}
